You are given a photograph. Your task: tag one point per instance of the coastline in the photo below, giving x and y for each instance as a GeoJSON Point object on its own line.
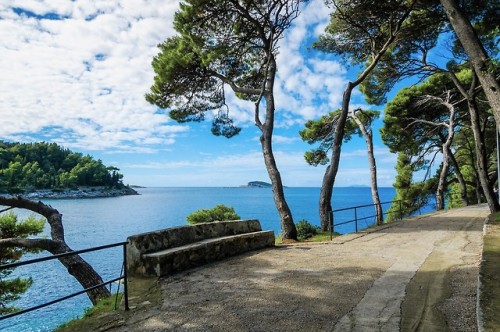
{"type": "Point", "coordinates": [87, 192]}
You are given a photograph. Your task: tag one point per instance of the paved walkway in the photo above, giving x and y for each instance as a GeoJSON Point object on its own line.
{"type": "Point", "coordinates": [417, 275]}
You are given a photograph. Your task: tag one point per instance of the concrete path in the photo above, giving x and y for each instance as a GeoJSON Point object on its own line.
{"type": "Point", "coordinates": [417, 275]}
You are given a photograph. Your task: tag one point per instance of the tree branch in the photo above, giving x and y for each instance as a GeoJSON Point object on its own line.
{"type": "Point", "coordinates": [234, 86]}
{"type": "Point", "coordinates": [54, 218]}
{"type": "Point", "coordinates": [45, 244]}
{"type": "Point", "coordinates": [385, 47]}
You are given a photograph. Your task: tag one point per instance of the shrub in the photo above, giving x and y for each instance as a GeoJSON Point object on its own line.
{"type": "Point", "coordinates": [305, 230]}
{"type": "Point", "coordinates": [219, 213]}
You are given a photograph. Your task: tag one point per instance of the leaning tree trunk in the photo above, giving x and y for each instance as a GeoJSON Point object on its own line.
{"type": "Point", "coordinates": [325, 201]}
{"type": "Point", "coordinates": [460, 178]}
{"type": "Point", "coordinates": [442, 177]}
{"type": "Point", "coordinates": [287, 226]}
{"type": "Point", "coordinates": [481, 161]}
{"type": "Point", "coordinates": [446, 158]}
{"type": "Point", "coordinates": [288, 229]}
{"type": "Point", "coordinates": [367, 134]}
{"type": "Point", "coordinates": [76, 266]}
{"type": "Point", "coordinates": [325, 196]}
{"type": "Point", "coordinates": [374, 185]}
{"type": "Point", "coordinates": [477, 54]}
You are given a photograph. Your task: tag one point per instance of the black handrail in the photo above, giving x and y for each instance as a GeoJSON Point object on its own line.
{"type": "Point", "coordinates": [355, 220]}
{"type": "Point", "coordinates": [72, 253]}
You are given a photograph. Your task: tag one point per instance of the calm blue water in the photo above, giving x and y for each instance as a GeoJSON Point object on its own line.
{"type": "Point", "coordinates": [95, 222]}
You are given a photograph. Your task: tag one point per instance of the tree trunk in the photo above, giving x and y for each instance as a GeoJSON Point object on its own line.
{"type": "Point", "coordinates": [80, 270]}
{"type": "Point", "coordinates": [442, 178]}
{"type": "Point", "coordinates": [325, 198]}
{"type": "Point", "coordinates": [460, 178]}
{"type": "Point", "coordinates": [77, 267]}
{"type": "Point", "coordinates": [476, 53]}
{"type": "Point", "coordinates": [481, 157]}
{"type": "Point", "coordinates": [482, 162]}
{"type": "Point", "coordinates": [373, 169]}
{"type": "Point", "coordinates": [446, 158]}
{"type": "Point", "coordinates": [289, 232]}
{"type": "Point", "coordinates": [287, 225]}
{"type": "Point", "coordinates": [325, 201]}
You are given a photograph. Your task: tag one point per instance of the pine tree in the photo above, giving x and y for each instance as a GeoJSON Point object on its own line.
{"type": "Point", "coordinates": [10, 227]}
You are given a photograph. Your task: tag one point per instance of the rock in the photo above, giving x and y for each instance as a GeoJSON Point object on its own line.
{"type": "Point", "coordinates": [88, 192]}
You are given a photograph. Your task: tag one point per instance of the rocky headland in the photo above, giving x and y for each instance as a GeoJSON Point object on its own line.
{"type": "Point", "coordinates": [87, 192]}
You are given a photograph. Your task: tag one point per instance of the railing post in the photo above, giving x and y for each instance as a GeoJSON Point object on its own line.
{"type": "Point", "coordinates": [356, 219]}
{"type": "Point", "coordinates": [125, 276]}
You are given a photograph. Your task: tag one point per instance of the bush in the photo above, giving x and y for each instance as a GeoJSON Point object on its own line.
{"type": "Point", "coordinates": [219, 213]}
{"type": "Point", "coordinates": [305, 230]}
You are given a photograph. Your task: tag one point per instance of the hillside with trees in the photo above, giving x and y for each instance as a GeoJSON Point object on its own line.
{"type": "Point", "coordinates": [27, 167]}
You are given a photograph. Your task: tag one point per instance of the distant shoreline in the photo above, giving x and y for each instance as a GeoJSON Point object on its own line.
{"type": "Point", "coordinates": [87, 192]}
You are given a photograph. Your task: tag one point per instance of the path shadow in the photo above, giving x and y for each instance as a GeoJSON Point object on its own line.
{"type": "Point", "coordinates": [249, 293]}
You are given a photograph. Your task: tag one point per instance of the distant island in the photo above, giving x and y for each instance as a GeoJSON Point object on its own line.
{"type": "Point", "coordinates": [257, 184]}
{"type": "Point", "coordinates": [46, 170]}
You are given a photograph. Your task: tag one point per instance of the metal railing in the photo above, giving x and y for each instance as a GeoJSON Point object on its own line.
{"type": "Point", "coordinates": [400, 213]}
{"type": "Point", "coordinates": [123, 276]}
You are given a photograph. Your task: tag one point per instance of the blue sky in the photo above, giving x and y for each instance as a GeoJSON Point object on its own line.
{"type": "Point", "coordinates": [75, 73]}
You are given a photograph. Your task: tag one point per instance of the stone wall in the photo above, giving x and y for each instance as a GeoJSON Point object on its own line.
{"type": "Point", "coordinates": [175, 249]}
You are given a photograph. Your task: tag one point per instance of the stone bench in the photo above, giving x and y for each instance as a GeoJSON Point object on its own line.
{"type": "Point", "coordinates": [171, 250]}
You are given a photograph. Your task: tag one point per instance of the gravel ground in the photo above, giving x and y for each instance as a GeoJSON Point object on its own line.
{"type": "Point", "coordinates": [417, 275]}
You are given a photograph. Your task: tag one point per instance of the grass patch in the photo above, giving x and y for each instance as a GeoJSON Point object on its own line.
{"type": "Point", "coordinates": [103, 306]}
{"type": "Point", "coordinates": [490, 276]}
{"type": "Point", "coordinates": [319, 237]}
{"type": "Point", "coordinates": [144, 294]}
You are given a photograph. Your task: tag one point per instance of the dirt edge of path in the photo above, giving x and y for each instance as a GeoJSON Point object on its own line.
{"type": "Point", "coordinates": [489, 278]}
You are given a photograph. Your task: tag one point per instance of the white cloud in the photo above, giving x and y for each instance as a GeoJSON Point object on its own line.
{"type": "Point", "coordinates": [308, 85]}
{"type": "Point", "coordinates": [84, 67]}
{"type": "Point", "coordinates": [75, 72]}
{"type": "Point", "coordinates": [85, 74]}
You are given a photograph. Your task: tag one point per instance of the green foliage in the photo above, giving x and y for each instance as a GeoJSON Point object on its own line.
{"type": "Point", "coordinates": [217, 43]}
{"type": "Point", "coordinates": [322, 131]}
{"type": "Point", "coordinates": [426, 27]}
{"type": "Point", "coordinates": [47, 166]}
{"type": "Point", "coordinates": [409, 123]}
{"type": "Point", "coordinates": [223, 126]}
{"type": "Point", "coordinates": [305, 230]}
{"type": "Point", "coordinates": [410, 196]}
{"type": "Point", "coordinates": [219, 213]}
{"type": "Point", "coordinates": [11, 289]}
{"type": "Point", "coordinates": [411, 127]}
{"type": "Point", "coordinates": [356, 26]}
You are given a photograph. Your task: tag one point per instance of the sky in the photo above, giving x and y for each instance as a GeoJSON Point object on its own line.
{"type": "Point", "coordinates": [76, 72]}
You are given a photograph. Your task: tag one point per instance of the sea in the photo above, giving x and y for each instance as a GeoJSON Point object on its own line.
{"type": "Point", "coordinates": [100, 221]}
